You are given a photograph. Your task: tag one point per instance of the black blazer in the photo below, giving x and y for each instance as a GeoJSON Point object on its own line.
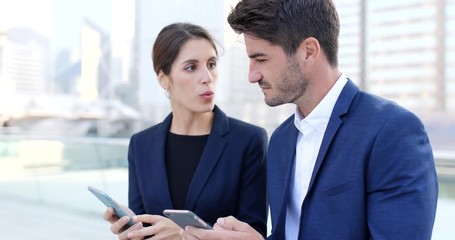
{"type": "Point", "coordinates": [229, 180]}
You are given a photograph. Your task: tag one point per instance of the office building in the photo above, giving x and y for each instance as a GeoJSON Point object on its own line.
{"type": "Point", "coordinates": [95, 62]}
{"type": "Point", "coordinates": [25, 64]}
{"type": "Point", "coordinates": [450, 56]}
{"type": "Point", "coordinates": [400, 50]}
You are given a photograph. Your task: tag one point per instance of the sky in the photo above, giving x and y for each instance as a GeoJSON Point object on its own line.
{"type": "Point", "coordinates": [19, 13]}
{"type": "Point", "coordinates": [60, 20]}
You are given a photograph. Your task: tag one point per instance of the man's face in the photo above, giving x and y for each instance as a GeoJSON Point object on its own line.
{"type": "Point", "coordinates": [278, 75]}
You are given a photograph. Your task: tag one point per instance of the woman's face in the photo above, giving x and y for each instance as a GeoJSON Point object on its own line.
{"type": "Point", "coordinates": [193, 76]}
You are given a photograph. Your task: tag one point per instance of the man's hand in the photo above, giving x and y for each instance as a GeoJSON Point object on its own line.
{"type": "Point", "coordinates": [228, 228]}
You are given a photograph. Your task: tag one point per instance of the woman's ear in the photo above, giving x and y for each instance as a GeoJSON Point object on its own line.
{"type": "Point", "coordinates": [162, 79]}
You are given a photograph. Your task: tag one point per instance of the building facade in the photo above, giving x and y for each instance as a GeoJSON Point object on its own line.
{"type": "Point", "coordinates": [400, 50]}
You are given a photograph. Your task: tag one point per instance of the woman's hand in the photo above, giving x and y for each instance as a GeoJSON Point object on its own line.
{"type": "Point", "coordinates": [118, 225]}
{"type": "Point", "coordinates": [161, 228]}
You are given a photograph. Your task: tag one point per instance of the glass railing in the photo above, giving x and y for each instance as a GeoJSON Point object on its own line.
{"type": "Point", "coordinates": [56, 171]}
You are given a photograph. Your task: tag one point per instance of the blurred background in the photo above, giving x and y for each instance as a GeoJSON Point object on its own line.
{"type": "Point", "coordinates": [76, 81]}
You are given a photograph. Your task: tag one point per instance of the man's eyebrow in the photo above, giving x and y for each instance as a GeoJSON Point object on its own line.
{"type": "Point", "coordinates": [255, 55]}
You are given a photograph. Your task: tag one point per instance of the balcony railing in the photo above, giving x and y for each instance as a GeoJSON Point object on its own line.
{"type": "Point", "coordinates": [57, 170]}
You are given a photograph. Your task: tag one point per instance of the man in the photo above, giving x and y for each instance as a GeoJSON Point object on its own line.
{"type": "Point", "coordinates": [347, 164]}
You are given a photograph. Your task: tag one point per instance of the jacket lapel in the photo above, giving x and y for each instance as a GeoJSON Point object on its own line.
{"type": "Point", "coordinates": [341, 107]}
{"type": "Point", "coordinates": [158, 166]}
{"type": "Point", "coordinates": [210, 156]}
{"type": "Point", "coordinates": [287, 166]}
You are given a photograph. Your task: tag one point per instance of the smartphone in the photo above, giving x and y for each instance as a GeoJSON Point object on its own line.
{"type": "Point", "coordinates": [109, 202]}
{"type": "Point", "coordinates": [185, 218]}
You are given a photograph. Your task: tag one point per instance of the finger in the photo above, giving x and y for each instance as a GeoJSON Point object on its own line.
{"type": "Point", "coordinates": [216, 226]}
{"type": "Point", "coordinates": [147, 218]}
{"type": "Point", "coordinates": [229, 220]}
{"type": "Point", "coordinates": [186, 236]}
{"type": "Point", "coordinates": [189, 237]}
{"type": "Point", "coordinates": [147, 231]}
{"type": "Point", "coordinates": [226, 222]}
{"type": "Point", "coordinates": [117, 226]}
{"type": "Point", "coordinates": [198, 233]}
{"type": "Point", "coordinates": [231, 223]}
{"type": "Point", "coordinates": [109, 215]}
{"type": "Point", "coordinates": [124, 234]}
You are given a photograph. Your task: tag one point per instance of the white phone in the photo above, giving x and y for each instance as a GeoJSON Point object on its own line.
{"type": "Point", "coordinates": [185, 218]}
{"type": "Point", "coordinates": [109, 202]}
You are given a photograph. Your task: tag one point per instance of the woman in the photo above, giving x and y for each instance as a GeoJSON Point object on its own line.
{"type": "Point", "coordinates": [197, 158]}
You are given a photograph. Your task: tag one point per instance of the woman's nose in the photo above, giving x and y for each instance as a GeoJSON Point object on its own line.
{"type": "Point", "coordinates": [207, 76]}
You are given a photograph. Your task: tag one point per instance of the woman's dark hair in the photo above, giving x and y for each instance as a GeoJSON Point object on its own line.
{"type": "Point", "coordinates": [287, 23]}
{"type": "Point", "coordinates": [171, 39]}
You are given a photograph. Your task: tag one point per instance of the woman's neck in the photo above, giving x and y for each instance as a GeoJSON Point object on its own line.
{"type": "Point", "coordinates": [195, 124]}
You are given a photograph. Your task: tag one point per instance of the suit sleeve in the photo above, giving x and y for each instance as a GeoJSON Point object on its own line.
{"type": "Point", "coordinates": [401, 181]}
{"type": "Point", "coordinates": [134, 195]}
{"type": "Point", "coordinates": [253, 194]}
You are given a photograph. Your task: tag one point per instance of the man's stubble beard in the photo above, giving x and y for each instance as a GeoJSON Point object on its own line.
{"type": "Point", "coordinates": [291, 88]}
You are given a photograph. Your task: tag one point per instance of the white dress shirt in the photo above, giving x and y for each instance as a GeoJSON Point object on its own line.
{"type": "Point", "coordinates": [311, 131]}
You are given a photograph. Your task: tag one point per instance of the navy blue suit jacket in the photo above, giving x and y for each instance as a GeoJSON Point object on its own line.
{"type": "Point", "coordinates": [229, 180]}
{"type": "Point", "coordinates": [374, 176]}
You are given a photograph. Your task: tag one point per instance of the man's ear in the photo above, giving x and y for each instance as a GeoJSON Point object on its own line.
{"type": "Point", "coordinates": [308, 50]}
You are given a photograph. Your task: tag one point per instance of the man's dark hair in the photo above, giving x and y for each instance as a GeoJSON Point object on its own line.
{"type": "Point", "coordinates": [287, 23]}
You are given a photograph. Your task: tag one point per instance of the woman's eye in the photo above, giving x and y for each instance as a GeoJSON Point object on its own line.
{"type": "Point", "coordinates": [212, 65]}
{"type": "Point", "coordinates": [190, 68]}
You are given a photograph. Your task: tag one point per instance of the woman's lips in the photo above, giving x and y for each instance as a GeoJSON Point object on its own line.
{"type": "Point", "coordinates": [207, 95]}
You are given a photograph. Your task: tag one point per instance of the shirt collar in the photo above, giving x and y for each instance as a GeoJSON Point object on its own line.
{"type": "Point", "coordinates": [319, 117]}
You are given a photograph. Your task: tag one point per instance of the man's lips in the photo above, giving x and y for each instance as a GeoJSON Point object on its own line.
{"type": "Point", "coordinates": [263, 85]}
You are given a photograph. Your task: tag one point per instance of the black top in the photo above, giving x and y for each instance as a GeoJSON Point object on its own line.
{"type": "Point", "coordinates": [182, 158]}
